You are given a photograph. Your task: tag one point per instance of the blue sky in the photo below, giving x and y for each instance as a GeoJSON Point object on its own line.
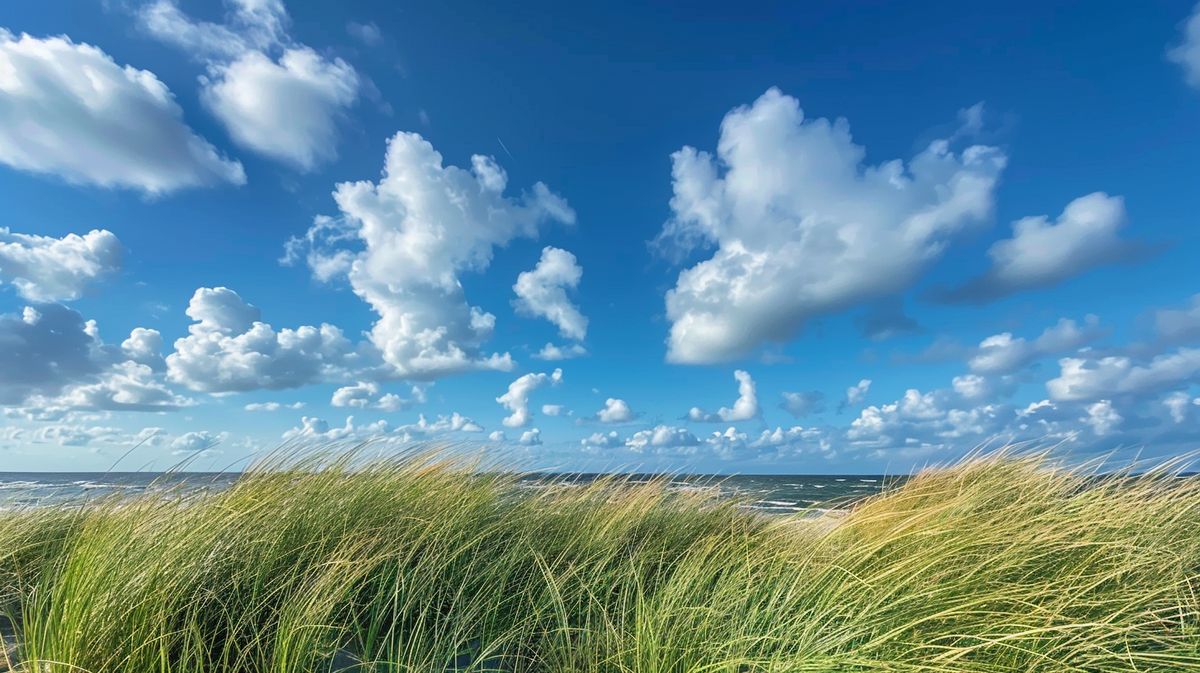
{"type": "Point", "coordinates": [839, 237]}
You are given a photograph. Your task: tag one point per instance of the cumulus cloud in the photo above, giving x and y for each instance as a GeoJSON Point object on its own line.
{"type": "Point", "coordinates": [615, 411]}
{"type": "Point", "coordinates": [195, 442]}
{"type": "Point", "coordinates": [1091, 378]}
{"type": "Point", "coordinates": [125, 386]}
{"type": "Point", "coordinates": [1187, 52]}
{"type": "Point", "coordinates": [285, 109]}
{"type": "Point", "coordinates": [69, 110]}
{"type": "Point", "coordinates": [274, 96]}
{"type": "Point", "coordinates": [496, 436]}
{"type": "Point", "coordinates": [744, 408]}
{"type": "Point", "coordinates": [516, 399]}
{"type": "Point", "coordinates": [229, 349]}
{"type": "Point", "coordinates": [1003, 353]}
{"type": "Point", "coordinates": [551, 352]}
{"type": "Point", "coordinates": [316, 429]}
{"type": "Point", "coordinates": [54, 362]}
{"type": "Point", "coordinates": [554, 410]}
{"type": "Point", "coordinates": [45, 350]}
{"type": "Point", "coordinates": [144, 346]}
{"type": "Point", "coordinates": [1102, 417]}
{"type": "Point", "coordinates": [47, 269]}
{"type": "Point", "coordinates": [803, 403]}
{"type": "Point", "coordinates": [531, 437]}
{"type": "Point", "coordinates": [542, 292]}
{"type": "Point", "coordinates": [662, 439]}
{"type": "Point", "coordinates": [404, 241]}
{"type": "Point", "coordinates": [1042, 253]}
{"type": "Point", "coordinates": [801, 227]}
{"type": "Point", "coordinates": [598, 441]}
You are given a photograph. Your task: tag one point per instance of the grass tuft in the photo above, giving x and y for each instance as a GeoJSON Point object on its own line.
{"type": "Point", "coordinates": [428, 563]}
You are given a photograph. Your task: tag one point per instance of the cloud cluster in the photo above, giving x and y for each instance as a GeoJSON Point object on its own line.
{"type": "Point", "coordinates": [274, 96]}
{"type": "Point", "coordinates": [46, 269]}
{"type": "Point", "coordinates": [229, 349]}
{"type": "Point", "coordinates": [404, 241]}
{"type": "Point", "coordinates": [53, 362]}
{"type": "Point", "coordinates": [802, 228]}
{"type": "Point", "coordinates": [70, 110]}
{"type": "Point", "coordinates": [1004, 354]}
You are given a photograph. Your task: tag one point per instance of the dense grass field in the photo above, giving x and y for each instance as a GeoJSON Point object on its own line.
{"type": "Point", "coordinates": [425, 564]}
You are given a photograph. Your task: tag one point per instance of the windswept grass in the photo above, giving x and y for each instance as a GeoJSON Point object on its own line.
{"type": "Point", "coordinates": [426, 564]}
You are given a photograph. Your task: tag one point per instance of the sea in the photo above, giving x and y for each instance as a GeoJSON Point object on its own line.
{"type": "Point", "coordinates": [772, 494]}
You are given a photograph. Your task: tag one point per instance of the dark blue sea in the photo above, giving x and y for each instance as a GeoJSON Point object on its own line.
{"type": "Point", "coordinates": [773, 494]}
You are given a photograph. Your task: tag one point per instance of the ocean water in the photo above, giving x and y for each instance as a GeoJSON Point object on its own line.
{"type": "Point", "coordinates": [780, 494]}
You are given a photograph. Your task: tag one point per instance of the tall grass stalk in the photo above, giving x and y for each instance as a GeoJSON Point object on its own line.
{"type": "Point", "coordinates": [430, 564]}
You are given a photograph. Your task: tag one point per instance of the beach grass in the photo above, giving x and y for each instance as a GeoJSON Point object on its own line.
{"type": "Point", "coordinates": [427, 563]}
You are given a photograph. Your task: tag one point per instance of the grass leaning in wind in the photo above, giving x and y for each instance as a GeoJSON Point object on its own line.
{"type": "Point", "coordinates": [1001, 563]}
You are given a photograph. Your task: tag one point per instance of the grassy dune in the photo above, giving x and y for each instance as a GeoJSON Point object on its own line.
{"type": "Point", "coordinates": [422, 564]}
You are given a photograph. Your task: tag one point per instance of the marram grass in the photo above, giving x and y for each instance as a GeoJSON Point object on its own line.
{"type": "Point", "coordinates": [421, 564]}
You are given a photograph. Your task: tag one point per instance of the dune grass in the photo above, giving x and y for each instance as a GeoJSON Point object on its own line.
{"type": "Point", "coordinates": [423, 563]}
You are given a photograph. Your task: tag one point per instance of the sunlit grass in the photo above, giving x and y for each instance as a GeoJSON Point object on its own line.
{"type": "Point", "coordinates": [428, 564]}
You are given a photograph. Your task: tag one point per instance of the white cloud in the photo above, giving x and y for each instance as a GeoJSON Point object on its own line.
{"type": "Point", "coordinates": [1179, 405]}
{"type": "Point", "coordinates": [228, 349]}
{"type": "Point", "coordinates": [126, 386]}
{"type": "Point", "coordinates": [804, 403]}
{"type": "Point", "coordinates": [972, 386]}
{"type": "Point", "coordinates": [496, 436]}
{"type": "Point", "coordinates": [554, 410]}
{"type": "Point", "coordinates": [857, 393]}
{"type": "Point", "coordinates": [551, 352]}
{"type": "Point", "coordinates": [144, 346]}
{"type": "Point", "coordinates": [71, 111]}
{"type": "Point", "coordinates": [1042, 253]}
{"type": "Point", "coordinates": [45, 349]}
{"type": "Point", "coordinates": [1187, 52]}
{"type": "Point", "coordinates": [194, 442]}
{"type": "Point", "coordinates": [532, 437]}
{"type": "Point", "coordinates": [1102, 417]}
{"type": "Point", "coordinates": [420, 227]}
{"type": "Point", "coordinates": [249, 24]}
{"type": "Point", "coordinates": [542, 292]}
{"type": "Point", "coordinates": [315, 429]}
{"type": "Point", "coordinates": [516, 399]}
{"type": "Point", "coordinates": [615, 411]}
{"type": "Point", "coordinates": [46, 269]}
{"type": "Point", "coordinates": [744, 408]}
{"type": "Point", "coordinates": [802, 228]}
{"type": "Point", "coordinates": [273, 406]}
{"type": "Point", "coordinates": [1088, 378]}
{"type": "Point", "coordinates": [286, 109]}
{"type": "Point", "coordinates": [358, 395]}
{"type": "Point", "coordinates": [1003, 353]}
{"type": "Point", "coordinates": [599, 440]}
{"type": "Point", "coordinates": [662, 438]}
